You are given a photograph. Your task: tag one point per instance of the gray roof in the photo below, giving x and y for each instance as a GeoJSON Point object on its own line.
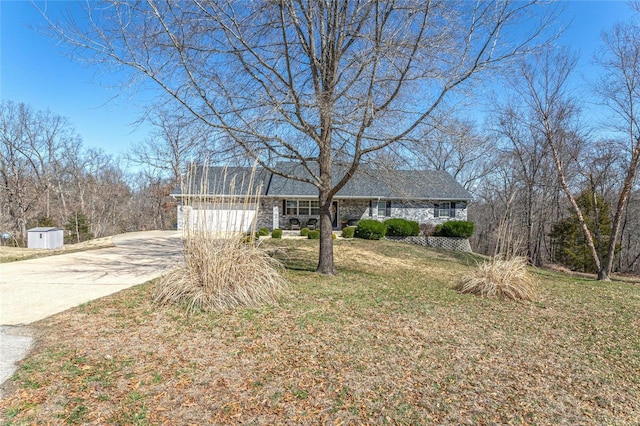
{"type": "Point", "coordinates": [44, 229]}
{"type": "Point", "coordinates": [366, 183]}
{"type": "Point", "coordinates": [224, 181]}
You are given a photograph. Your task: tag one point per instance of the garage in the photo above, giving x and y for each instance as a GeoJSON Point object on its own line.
{"type": "Point", "coordinates": [233, 219]}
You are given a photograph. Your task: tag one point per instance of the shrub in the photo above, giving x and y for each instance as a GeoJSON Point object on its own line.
{"type": "Point", "coordinates": [455, 228]}
{"type": "Point", "coordinates": [263, 232]}
{"type": "Point", "coordinates": [250, 237]}
{"type": "Point", "coordinates": [370, 229]}
{"type": "Point", "coordinates": [397, 227]}
{"type": "Point", "coordinates": [505, 279]}
{"type": "Point", "coordinates": [348, 231]}
{"type": "Point", "coordinates": [304, 232]}
{"type": "Point", "coordinates": [277, 233]}
{"type": "Point", "coordinates": [313, 235]}
{"type": "Point", "coordinates": [221, 273]}
{"type": "Point", "coordinates": [334, 236]}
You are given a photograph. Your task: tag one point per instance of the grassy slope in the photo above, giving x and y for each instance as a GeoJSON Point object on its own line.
{"type": "Point", "coordinates": [385, 342]}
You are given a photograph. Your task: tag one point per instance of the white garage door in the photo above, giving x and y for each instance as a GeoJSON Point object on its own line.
{"type": "Point", "coordinates": [219, 221]}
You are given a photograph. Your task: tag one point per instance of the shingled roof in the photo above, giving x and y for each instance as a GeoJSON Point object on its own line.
{"type": "Point", "coordinates": [224, 181]}
{"type": "Point", "coordinates": [372, 183]}
{"type": "Point", "coordinates": [366, 183]}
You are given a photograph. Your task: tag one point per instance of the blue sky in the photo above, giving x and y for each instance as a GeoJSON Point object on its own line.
{"type": "Point", "coordinates": [34, 70]}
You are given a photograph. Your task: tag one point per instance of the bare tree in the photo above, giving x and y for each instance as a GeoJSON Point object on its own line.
{"type": "Point", "coordinates": [620, 87]}
{"type": "Point", "coordinates": [310, 82]}
{"type": "Point", "coordinates": [34, 146]}
{"type": "Point", "coordinates": [176, 140]}
{"type": "Point", "coordinates": [525, 153]}
{"type": "Point", "coordinates": [551, 113]}
{"type": "Point", "coordinates": [454, 145]}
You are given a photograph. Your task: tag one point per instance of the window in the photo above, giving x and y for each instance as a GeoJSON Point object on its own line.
{"type": "Point", "coordinates": [384, 208]}
{"type": "Point", "coordinates": [445, 209]}
{"type": "Point", "coordinates": [291, 207]}
{"type": "Point", "coordinates": [315, 208]}
{"type": "Point", "coordinates": [302, 207]}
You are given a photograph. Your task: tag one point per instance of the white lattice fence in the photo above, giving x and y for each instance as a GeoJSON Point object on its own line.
{"type": "Point", "coordinates": [449, 243]}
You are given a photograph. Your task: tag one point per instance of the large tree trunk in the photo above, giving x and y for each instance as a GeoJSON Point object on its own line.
{"type": "Point", "coordinates": [325, 198]}
{"type": "Point", "coordinates": [325, 259]}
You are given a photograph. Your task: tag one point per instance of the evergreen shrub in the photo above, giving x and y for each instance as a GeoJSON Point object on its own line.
{"type": "Point", "coordinates": [370, 229]}
{"type": "Point", "coordinates": [398, 227]}
{"type": "Point", "coordinates": [348, 231]}
{"type": "Point", "coordinates": [304, 232]}
{"type": "Point", "coordinates": [313, 235]}
{"type": "Point", "coordinates": [263, 232]}
{"type": "Point", "coordinates": [455, 228]}
{"type": "Point", "coordinates": [277, 233]}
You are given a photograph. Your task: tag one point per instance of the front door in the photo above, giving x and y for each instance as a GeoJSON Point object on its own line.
{"type": "Point", "coordinates": [334, 214]}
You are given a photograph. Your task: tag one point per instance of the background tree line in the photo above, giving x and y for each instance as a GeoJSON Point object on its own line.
{"type": "Point", "coordinates": [49, 178]}
{"type": "Point", "coordinates": [534, 168]}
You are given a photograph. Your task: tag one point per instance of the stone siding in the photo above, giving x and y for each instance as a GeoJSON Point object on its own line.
{"type": "Point", "coordinates": [353, 209]}
{"type": "Point", "coordinates": [357, 209]}
{"type": "Point", "coordinates": [449, 243]}
{"type": "Point", "coordinates": [418, 212]}
{"type": "Point", "coordinates": [265, 214]}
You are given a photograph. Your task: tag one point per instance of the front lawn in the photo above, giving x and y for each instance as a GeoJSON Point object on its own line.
{"type": "Point", "coordinates": [385, 342]}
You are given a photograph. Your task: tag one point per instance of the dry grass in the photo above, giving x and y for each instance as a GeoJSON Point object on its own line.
{"type": "Point", "coordinates": [502, 278]}
{"type": "Point", "coordinates": [219, 274]}
{"type": "Point", "coordinates": [386, 344]}
{"type": "Point", "coordinates": [12, 254]}
{"type": "Point", "coordinates": [222, 269]}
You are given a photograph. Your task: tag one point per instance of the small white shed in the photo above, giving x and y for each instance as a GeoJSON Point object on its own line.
{"type": "Point", "coordinates": [45, 238]}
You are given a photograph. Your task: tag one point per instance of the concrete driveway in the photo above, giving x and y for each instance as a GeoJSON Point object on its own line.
{"type": "Point", "coordinates": [31, 290]}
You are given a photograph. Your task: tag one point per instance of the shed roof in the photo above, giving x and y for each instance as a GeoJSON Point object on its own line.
{"type": "Point", "coordinates": [44, 229]}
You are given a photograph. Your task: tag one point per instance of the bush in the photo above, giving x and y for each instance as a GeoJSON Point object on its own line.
{"type": "Point", "coordinates": [398, 227]}
{"type": "Point", "coordinates": [506, 279]}
{"type": "Point", "coordinates": [348, 231]}
{"type": "Point", "coordinates": [304, 232]}
{"type": "Point", "coordinates": [277, 233]}
{"type": "Point", "coordinates": [219, 274]}
{"type": "Point", "coordinates": [455, 228]}
{"type": "Point", "coordinates": [263, 232]}
{"type": "Point", "coordinates": [370, 229]}
{"type": "Point", "coordinates": [250, 237]}
{"type": "Point", "coordinates": [313, 235]}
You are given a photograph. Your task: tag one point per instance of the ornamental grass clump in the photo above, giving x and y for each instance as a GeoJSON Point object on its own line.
{"type": "Point", "coordinates": [220, 270]}
{"type": "Point", "coordinates": [221, 273]}
{"type": "Point", "coordinates": [502, 278]}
